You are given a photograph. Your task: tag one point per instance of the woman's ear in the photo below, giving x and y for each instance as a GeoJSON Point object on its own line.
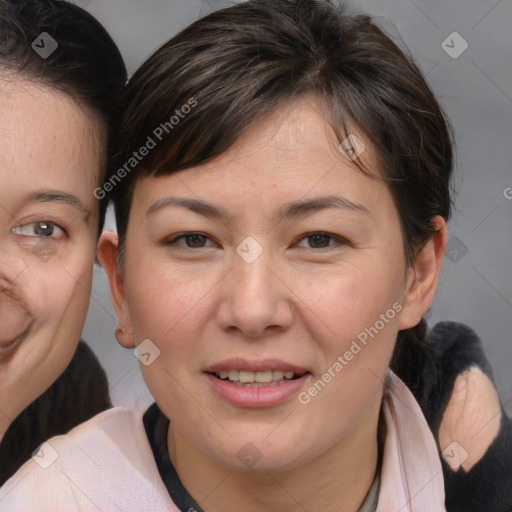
{"type": "Point", "coordinates": [423, 276]}
{"type": "Point", "coordinates": [107, 256]}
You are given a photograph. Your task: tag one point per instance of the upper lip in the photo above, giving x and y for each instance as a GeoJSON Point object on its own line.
{"type": "Point", "coordinates": [255, 366]}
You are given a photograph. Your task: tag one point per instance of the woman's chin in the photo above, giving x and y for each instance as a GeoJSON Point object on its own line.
{"type": "Point", "coordinates": [257, 454]}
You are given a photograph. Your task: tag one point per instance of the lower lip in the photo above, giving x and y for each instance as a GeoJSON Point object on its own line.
{"type": "Point", "coordinates": [257, 397]}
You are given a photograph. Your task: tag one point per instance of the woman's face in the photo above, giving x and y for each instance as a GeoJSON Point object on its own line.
{"type": "Point", "coordinates": [50, 158]}
{"type": "Point", "coordinates": [278, 261]}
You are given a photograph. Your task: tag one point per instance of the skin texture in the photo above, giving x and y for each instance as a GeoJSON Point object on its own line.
{"type": "Point", "coordinates": [300, 304]}
{"type": "Point", "coordinates": [51, 146]}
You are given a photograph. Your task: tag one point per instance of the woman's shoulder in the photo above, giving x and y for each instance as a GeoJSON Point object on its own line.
{"type": "Point", "coordinates": [105, 462]}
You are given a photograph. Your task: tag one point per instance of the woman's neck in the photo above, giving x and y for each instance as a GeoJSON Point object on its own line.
{"type": "Point", "coordinates": [335, 481]}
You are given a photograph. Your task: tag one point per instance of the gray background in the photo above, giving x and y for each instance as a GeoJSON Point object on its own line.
{"type": "Point", "coordinates": [475, 88]}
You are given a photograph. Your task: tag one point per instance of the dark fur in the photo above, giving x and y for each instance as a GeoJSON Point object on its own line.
{"type": "Point", "coordinates": [430, 369]}
{"type": "Point", "coordinates": [77, 395]}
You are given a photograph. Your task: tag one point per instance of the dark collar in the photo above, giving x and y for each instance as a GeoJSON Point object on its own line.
{"type": "Point", "coordinates": [156, 426]}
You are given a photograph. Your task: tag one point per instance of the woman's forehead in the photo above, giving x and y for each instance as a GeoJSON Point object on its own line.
{"type": "Point", "coordinates": [296, 144]}
{"type": "Point", "coordinates": [50, 139]}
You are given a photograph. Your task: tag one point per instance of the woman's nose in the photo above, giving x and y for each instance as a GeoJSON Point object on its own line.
{"type": "Point", "coordinates": [255, 301]}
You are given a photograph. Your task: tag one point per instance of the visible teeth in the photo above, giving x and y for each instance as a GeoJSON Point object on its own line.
{"type": "Point", "coordinates": [263, 376]}
{"type": "Point", "coordinates": [247, 377]}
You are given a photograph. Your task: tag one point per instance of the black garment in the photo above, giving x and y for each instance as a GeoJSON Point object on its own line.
{"type": "Point", "coordinates": [156, 426]}
{"type": "Point", "coordinates": [77, 395]}
{"type": "Point", "coordinates": [432, 368]}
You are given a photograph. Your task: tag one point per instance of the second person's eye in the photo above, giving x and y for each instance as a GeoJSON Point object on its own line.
{"type": "Point", "coordinates": [39, 229]}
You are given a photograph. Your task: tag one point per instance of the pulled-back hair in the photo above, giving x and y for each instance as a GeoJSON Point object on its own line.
{"type": "Point", "coordinates": [203, 89]}
{"type": "Point", "coordinates": [87, 65]}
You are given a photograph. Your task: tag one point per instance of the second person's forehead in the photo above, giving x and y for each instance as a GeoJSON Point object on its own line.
{"type": "Point", "coordinates": [49, 141]}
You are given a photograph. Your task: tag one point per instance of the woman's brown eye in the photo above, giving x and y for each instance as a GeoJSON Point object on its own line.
{"type": "Point", "coordinates": [319, 241]}
{"type": "Point", "coordinates": [195, 241]}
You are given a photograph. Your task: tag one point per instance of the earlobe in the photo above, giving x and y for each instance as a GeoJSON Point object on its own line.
{"type": "Point", "coordinates": [424, 276]}
{"type": "Point", "coordinates": [124, 337]}
{"type": "Point", "coordinates": [107, 256]}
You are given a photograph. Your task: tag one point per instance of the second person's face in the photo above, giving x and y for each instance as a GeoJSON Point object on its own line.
{"type": "Point", "coordinates": [50, 158]}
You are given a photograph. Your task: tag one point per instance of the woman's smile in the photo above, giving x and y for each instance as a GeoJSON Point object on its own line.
{"type": "Point", "coordinates": [256, 394]}
{"type": "Point", "coordinates": [256, 384]}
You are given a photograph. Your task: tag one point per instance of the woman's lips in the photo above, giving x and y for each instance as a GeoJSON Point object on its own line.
{"type": "Point", "coordinates": [256, 384]}
{"type": "Point", "coordinates": [259, 396]}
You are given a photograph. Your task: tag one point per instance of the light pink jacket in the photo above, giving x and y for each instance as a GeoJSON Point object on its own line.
{"type": "Point", "coordinates": [106, 464]}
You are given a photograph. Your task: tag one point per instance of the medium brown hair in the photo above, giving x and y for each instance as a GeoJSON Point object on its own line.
{"type": "Point", "coordinates": [243, 63]}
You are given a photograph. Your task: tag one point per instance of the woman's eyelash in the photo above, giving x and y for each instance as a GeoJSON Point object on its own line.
{"type": "Point", "coordinates": [319, 238]}
{"type": "Point", "coordinates": [197, 240]}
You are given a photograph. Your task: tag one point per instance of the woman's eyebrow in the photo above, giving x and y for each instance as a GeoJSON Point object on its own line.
{"type": "Point", "coordinates": [293, 209]}
{"type": "Point", "coordinates": [201, 207]}
{"type": "Point", "coordinates": [304, 207]}
{"type": "Point", "coordinates": [58, 196]}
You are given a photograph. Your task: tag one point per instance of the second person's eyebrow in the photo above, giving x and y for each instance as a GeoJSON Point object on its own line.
{"type": "Point", "coordinates": [57, 196]}
{"type": "Point", "coordinates": [293, 209]}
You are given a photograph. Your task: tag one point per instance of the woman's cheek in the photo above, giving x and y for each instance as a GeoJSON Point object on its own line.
{"type": "Point", "coordinates": [170, 309]}
{"type": "Point", "coordinates": [61, 301]}
{"type": "Point", "coordinates": [157, 303]}
{"type": "Point", "coordinates": [357, 317]}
